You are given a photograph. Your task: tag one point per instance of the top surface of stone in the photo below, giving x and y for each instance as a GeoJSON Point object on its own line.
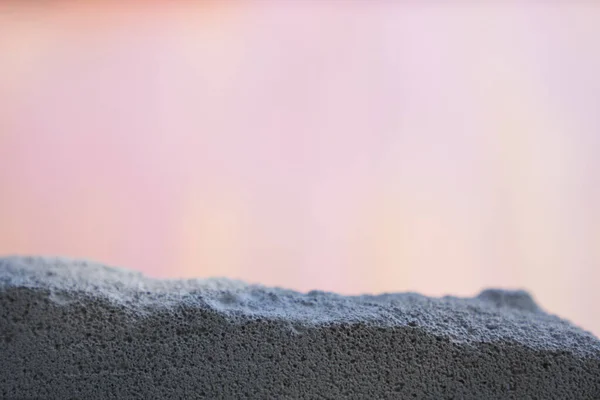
{"type": "Point", "coordinates": [493, 315]}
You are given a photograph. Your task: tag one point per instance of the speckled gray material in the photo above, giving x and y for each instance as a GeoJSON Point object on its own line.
{"type": "Point", "coordinates": [73, 329]}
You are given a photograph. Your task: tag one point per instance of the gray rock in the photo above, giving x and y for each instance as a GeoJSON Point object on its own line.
{"type": "Point", "coordinates": [75, 329]}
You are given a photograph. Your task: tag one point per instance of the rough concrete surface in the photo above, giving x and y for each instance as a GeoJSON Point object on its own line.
{"type": "Point", "coordinates": [75, 329]}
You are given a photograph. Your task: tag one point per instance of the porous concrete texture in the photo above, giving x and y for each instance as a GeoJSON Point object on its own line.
{"type": "Point", "coordinates": [74, 329]}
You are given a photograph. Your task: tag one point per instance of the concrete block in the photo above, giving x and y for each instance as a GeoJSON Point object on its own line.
{"type": "Point", "coordinates": [76, 329]}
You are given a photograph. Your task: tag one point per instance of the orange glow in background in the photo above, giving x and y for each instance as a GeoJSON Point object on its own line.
{"type": "Point", "coordinates": [312, 145]}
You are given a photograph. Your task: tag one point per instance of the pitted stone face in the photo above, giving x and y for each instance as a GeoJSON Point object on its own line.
{"type": "Point", "coordinates": [75, 328]}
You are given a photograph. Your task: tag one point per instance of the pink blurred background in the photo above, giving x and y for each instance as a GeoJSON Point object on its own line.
{"type": "Point", "coordinates": [344, 146]}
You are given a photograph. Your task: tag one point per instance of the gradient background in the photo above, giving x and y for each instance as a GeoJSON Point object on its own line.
{"type": "Point", "coordinates": [344, 146]}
